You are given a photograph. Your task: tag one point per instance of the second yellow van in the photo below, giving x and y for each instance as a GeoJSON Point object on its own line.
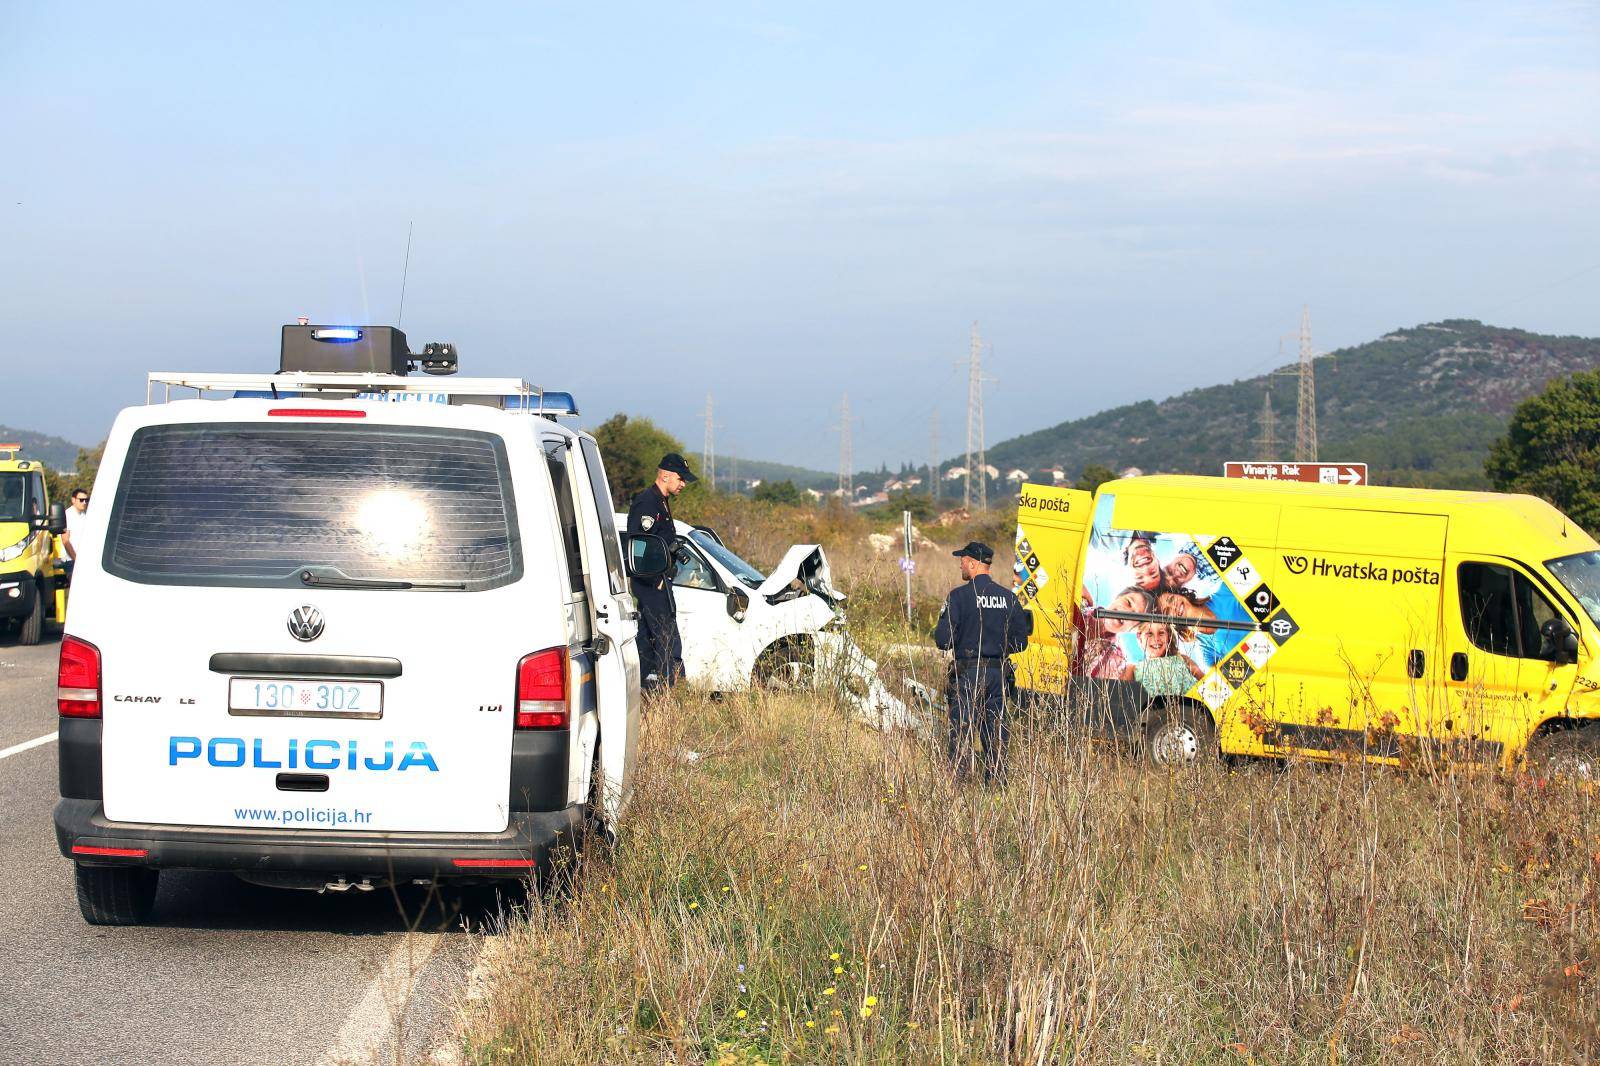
{"type": "Point", "coordinates": [1203, 615]}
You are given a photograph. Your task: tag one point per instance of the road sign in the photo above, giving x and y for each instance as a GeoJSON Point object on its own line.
{"type": "Point", "coordinates": [1314, 473]}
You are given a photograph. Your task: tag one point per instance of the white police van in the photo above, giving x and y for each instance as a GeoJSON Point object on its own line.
{"type": "Point", "coordinates": [344, 628]}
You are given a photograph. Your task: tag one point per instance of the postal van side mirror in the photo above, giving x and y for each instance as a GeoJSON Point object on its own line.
{"type": "Point", "coordinates": [1560, 637]}
{"type": "Point", "coordinates": [57, 522]}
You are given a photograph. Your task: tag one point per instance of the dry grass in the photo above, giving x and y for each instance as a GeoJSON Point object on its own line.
{"type": "Point", "coordinates": [1092, 910]}
{"type": "Point", "coordinates": [809, 890]}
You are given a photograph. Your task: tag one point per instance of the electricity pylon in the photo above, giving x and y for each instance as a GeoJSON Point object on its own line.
{"type": "Point", "coordinates": [975, 444]}
{"type": "Point", "coordinates": [1305, 429]}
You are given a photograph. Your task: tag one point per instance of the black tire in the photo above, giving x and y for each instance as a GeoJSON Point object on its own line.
{"type": "Point", "coordinates": [1573, 754]}
{"type": "Point", "coordinates": [32, 630]}
{"type": "Point", "coordinates": [1179, 733]}
{"type": "Point", "coordinates": [116, 895]}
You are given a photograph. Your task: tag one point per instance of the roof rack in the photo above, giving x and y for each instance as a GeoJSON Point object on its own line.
{"type": "Point", "coordinates": [514, 393]}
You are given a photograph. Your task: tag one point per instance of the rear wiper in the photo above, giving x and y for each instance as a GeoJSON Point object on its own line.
{"type": "Point", "coordinates": [312, 580]}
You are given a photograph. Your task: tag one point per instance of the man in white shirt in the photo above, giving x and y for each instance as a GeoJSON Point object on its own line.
{"type": "Point", "coordinates": [75, 521]}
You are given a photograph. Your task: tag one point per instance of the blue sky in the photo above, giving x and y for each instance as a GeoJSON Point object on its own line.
{"type": "Point", "coordinates": [779, 203]}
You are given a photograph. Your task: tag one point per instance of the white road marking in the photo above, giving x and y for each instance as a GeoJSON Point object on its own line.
{"type": "Point", "coordinates": [18, 749]}
{"type": "Point", "coordinates": [377, 1017]}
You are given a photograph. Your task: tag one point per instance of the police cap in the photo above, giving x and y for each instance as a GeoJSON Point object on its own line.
{"type": "Point", "coordinates": [674, 463]}
{"type": "Point", "coordinates": [974, 550]}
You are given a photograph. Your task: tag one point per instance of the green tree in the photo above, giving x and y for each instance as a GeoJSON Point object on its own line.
{"type": "Point", "coordinates": [1552, 448]}
{"type": "Point", "coordinates": [60, 485]}
{"type": "Point", "coordinates": [631, 448]}
{"type": "Point", "coordinates": [784, 492]}
{"type": "Point", "coordinates": [1093, 476]}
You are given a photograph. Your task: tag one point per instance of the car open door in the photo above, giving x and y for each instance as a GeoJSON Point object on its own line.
{"type": "Point", "coordinates": [616, 622]}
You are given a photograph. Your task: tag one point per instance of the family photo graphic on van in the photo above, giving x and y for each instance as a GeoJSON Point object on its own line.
{"type": "Point", "coordinates": [1181, 614]}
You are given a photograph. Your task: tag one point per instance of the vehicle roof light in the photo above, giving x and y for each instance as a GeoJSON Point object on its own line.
{"type": "Point", "coordinates": [315, 412]}
{"type": "Point", "coordinates": [336, 334]}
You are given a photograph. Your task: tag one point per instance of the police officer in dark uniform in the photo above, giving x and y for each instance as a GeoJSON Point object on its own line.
{"type": "Point", "coordinates": [660, 648]}
{"type": "Point", "coordinates": [982, 623]}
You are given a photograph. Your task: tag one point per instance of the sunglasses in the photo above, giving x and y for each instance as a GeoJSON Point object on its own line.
{"type": "Point", "coordinates": [80, 499]}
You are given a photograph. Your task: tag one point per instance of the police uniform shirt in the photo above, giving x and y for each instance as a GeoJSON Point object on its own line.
{"type": "Point", "coordinates": [982, 620]}
{"type": "Point", "coordinates": [650, 514]}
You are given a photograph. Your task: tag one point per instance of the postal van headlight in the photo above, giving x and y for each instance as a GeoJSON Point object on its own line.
{"type": "Point", "coordinates": [15, 550]}
{"type": "Point", "coordinates": [394, 524]}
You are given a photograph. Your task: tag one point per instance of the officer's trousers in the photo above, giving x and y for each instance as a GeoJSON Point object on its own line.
{"type": "Point", "coordinates": [660, 647]}
{"type": "Point", "coordinates": [976, 700]}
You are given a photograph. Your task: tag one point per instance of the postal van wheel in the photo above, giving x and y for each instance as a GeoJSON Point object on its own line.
{"type": "Point", "coordinates": [1179, 734]}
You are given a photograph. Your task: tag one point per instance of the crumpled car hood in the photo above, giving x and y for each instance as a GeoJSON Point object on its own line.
{"type": "Point", "coordinates": [806, 564]}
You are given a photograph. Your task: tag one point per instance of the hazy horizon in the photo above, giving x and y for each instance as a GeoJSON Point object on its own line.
{"type": "Point", "coordinates": [778, 206]}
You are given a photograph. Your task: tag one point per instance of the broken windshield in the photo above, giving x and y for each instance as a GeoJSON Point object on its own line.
{"type": "Point", "coordinates": [735, 565]}
{"type": "Point", "coordinates": [1580, 574]}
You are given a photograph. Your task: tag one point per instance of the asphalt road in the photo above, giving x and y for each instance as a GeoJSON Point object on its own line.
{"type": "Point", "coordinates": [227, 972]}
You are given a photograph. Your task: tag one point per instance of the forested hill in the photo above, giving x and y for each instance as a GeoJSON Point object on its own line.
{"type": "Point", "coordinates": [53, 452]}
{"type": "Point", "coordinates": [1419, 405]}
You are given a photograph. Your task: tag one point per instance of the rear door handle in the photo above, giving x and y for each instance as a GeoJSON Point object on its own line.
{"type": "Point", "coordinates": [1458, 666]}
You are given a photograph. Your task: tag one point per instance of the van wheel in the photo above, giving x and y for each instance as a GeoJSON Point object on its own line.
{"type": "Point", "coordinates": [1571, 753]}
{"type": "Point", "coordinates": [116, 895]}
{"type": "Point", "coordinates": [32, 630]}
{"type": "Point", "coordinates": [1179, 734]}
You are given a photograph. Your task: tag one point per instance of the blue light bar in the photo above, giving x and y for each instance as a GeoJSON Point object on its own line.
{"type": "Point", "coordinates": [549, 403]}
{"type": "Point", "coordinates": [337, 334]}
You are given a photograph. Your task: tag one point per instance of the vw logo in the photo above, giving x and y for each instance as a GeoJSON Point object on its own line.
{"type": "Point", "coordinates": [305, 622]}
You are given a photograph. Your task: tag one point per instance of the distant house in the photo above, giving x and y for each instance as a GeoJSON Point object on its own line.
{"type": "Point", "coordinates": [912, 482]}
{"type": "Point", "coordinates": [993, 472]}
{"type": "Point", "coordinates": [1057, 475]}
{"type": "Point", "coordinates": [814, 494]}
{"type": "Point", "coordinates": [955, 473]}
{"type": "Point", "coordinates": [1132, 471]}
{"type": "Point", "coordinates": [1016, 475]}
{"type": "Point", "coordinates": [895, 485]}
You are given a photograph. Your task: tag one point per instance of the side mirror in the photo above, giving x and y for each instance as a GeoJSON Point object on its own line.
{"type": "Point", "coordinates": [738, 604]}
{"type": "Point", "coordinates": [1558, 636]}
{"type": "Point", "coordinates": [649, 556]}
{"type": "Point", "coordinates": [57, 523]}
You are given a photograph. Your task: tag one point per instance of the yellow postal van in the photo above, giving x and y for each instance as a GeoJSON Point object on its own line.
{"type": "Point", "coordinates": [1269, 618]}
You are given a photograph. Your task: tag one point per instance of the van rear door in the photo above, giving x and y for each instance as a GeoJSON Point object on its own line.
{"type": "Point", "coordinates": [318, 622]}
{"type": "Point", "coordinates": [1050, 529]}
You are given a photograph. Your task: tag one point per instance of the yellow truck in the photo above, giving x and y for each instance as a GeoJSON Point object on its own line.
{"type": "Point", "coordinates": [1201, 615]}
{"type": "Point", "coordinates": [32, 586]}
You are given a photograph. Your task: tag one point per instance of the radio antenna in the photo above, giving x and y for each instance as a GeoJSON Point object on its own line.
{"type": "Point", "coordinates": [401, 316]}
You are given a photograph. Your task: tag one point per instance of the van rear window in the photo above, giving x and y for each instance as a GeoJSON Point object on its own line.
{"type": "Point", "coordinates": [252, 506]}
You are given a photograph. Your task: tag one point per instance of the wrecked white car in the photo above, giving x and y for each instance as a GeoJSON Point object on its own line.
{"type": "Point", "coordinates": [741, 627]}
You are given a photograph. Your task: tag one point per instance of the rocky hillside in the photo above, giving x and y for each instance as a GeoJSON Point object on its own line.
{"type": "Point", "coordinates": [1420, 406]}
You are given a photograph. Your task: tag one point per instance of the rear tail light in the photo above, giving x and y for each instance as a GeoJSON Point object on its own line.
{"type": "Point", "coordinates": [542, 690]}
{"type": "Point", "coordinates": [78, 679]}
{"type": "Point", "coordinates": [492, 864]}
{"type": "Point", "coordinates": [110, 853]}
